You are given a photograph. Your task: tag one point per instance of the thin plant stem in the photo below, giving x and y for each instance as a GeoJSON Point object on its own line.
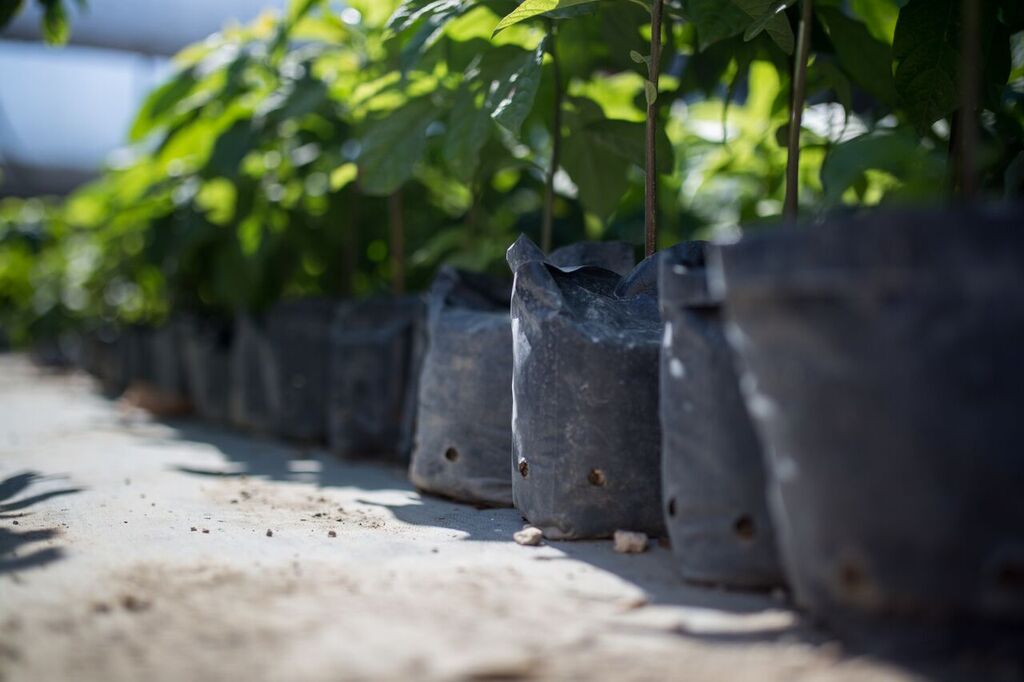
{"type": "Point", "coordinates": [651, 167]}
{"type": "Point", "coordinates": [396, 242]}
{"type": "Point", "coordinates": [803, 48]}
{"type": "Point", "coordinates": [968, 137]}
{"type": "Point", "coordinates": [547, 227]}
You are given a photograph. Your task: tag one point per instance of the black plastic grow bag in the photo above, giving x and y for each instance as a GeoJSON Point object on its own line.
{"type": "Point", "coordinates": [465, 405]}
{"type": "Point", "coordinates": [712, 473]}
{"type": "Point", "coordinates": [586, 437]}
{"type": "Point", "coordinates": [886, 379]}
{"type": "Point", "coordinates": [374, 367]}
{"type": "Point", "coordinates": [280, 364]}
{"type": "Point", "coordinates": [207, 343]}
{"type": "Point", "coordinates": [102, 357]}
{"type": "Point", "coordinates": [298, 333]}
{"type": "Point", "coordinates": [463, 431]}
{"type": "Point", "coordinates": [153, 357]}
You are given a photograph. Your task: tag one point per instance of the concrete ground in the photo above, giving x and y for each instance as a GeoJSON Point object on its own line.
{"type": "Point", "coordinates": [133, 549]}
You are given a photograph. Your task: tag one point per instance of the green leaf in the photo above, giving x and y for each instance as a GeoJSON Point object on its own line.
{"type": "Point", "coordinates": [898, 153]}
{"type": "Point", "coordinates": [716, 20]}
{"type": "Point", "coordinates": [868, 61]}
{"type": "Point", "coordinates": [770, 17]}
{"type": "Point", "coordinates": [650, 93]}
{"type": "Point", "coordinates": [532, 8]}
{"type": "Point", "coordinates": [411, 11]}
{"type": "Point", "coordinates": [626, 139]}
{"type": "Point", "coordinates": [160, 102]}
{"type": "Point", "coordinates": [8, 10]}
{"type": "Point", "coordinates": [393, 145]}
{"type": "Point", "coordinates": [925, 47]}
{"type": "Point", "coordinates": [229, 150]}
{"type": "Point", "coordinates": [719, 19]}
{"type": "Point", "coordinates": [512, 93]}
{"type": "Point", "coordinates": [55, 22]}
{"type": "Point", "coordinates": [879, 16]}
{"type": "Point", "coordinates": [598, 172]}
{"type": "Point", "coordinates": [468, 129]}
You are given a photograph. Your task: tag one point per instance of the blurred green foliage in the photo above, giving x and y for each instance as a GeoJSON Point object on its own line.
{"type": "Point", "coordinates": [271, 163]}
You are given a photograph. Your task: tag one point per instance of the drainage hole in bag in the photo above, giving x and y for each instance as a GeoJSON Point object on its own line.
{"type": "Point", "coordinates": [743, 527]}
{"type": "Point", "coordinates": [596, 477]}
{"type": "Point", "coordinates": [451, 454]}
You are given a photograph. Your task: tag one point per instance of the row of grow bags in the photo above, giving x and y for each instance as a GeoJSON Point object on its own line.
{"type": "Point", "coordinates": [834, 408]}
{"type": "Point", "coordinates": [311, 371]}
{"type": "Point", "coordinates": [837, 409]}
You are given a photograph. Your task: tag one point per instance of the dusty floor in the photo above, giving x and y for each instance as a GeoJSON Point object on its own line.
{"type": "Point", "coordinates": [132, 549]}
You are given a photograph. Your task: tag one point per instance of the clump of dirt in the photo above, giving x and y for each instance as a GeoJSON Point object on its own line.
{"type": "Point", "coordinates": [529, 536]}
{"type": "Point", "coordinates": [629, 542]}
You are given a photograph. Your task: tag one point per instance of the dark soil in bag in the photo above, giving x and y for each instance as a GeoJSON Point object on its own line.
{"type": "Point", "coordinates": [374, 368]}
{"type": "Point", "coordinates": [712, 473]}
{"type": "Point", "coordinates": [586, 437]}
{"type": "Point", "coordinates": [207, 345]}
{"type": "Point", "coordinates": [298, 333]}
{"type": "Point", "coordinates": [886, 378]}
{"type": "Point", "coordinates": [464, 424]}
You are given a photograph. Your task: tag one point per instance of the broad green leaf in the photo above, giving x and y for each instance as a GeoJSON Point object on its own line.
{"type": "Point", "coordinates": [532, 8]}
{"type": "Point", "coordinates": [411, 11]}
{"type": "Point", "coordinates": [55, 22]}
{"type": "Point", "coordinates": [927, 71]}
{"type": "Point", "coordinates": [879, 16]}
{"type": "Point", "coordinates": [161, 101]}
{"type": "Point", "coordinates": [898, 153]}
{"type": "Point", "coordinates": [229, 149]}
{"type": "Point", "coordinates": [868, 61]}
{"type": "Point", "coordinates": [511, 96]}
{"type": "Point", "coordinates": [393, 145]}
{"type": "Point", "coordinates": [719, 19]}
{"type": "Point", "coordinates": [716, 20]}
{"type": "Point", "coordinates": [343, 175]}
{"type": "Point", "coordinates": [597, 171]}
{"type": "Point", "coordinates": [769, 17]}
{"type": "Point", "coordinates": [468, 129]}
{"type": "Point", "coordinates": [626, 139]}
{"type": "Point", "coordinates": [8, 10]}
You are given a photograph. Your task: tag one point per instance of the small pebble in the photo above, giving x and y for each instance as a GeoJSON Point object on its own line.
{"type": "Point", "coordinates": [331, 534]}
{"type": "Point", "coordinates": [529, 536]}
{"type": "Point", "coordinates": [206, 530]}
{"type": "Point", "coordinates": [628, 542]}
{"type": "Point", "coordinates": [194, 529]}
{"type": "Point", "coordinates": [270, 533]}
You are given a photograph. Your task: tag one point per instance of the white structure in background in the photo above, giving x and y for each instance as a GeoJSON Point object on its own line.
{"type": "Point", "coordinates": [64, 110]}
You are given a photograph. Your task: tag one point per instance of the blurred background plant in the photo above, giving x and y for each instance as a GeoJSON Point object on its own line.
{"type": "Point", "coordinates": [346, 149]}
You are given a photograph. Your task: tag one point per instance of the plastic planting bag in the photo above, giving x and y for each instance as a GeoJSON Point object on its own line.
{"type": "Point", "coordinates": [102, 356]}
{"type": "Point", "coordinates": [299, 336]}
{"type": "Point", "coordinates": [207, 347]}
{"type": "Point", "coordinates": [154, 358]}
{"type": "Point", "coordinates": [586, 438]}
{"type": "Point", "coordinates": [712, 472]}
{"type": "Point", "coordinates": [884, 374]}
{"type": "Point", "coordinates": [253, 395]}
{"type": "Point", "coordinates": [463, 430]}
{"type": "Point", "coordinates": [374, 367]}
{"type": "Point", "coordinates": [465, 405]}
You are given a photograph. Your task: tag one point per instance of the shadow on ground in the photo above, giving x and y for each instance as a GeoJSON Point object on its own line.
{"type": "Point", "coordinates": [12, 539]}
{"type": "Point", "coordinates": [652, 571]}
